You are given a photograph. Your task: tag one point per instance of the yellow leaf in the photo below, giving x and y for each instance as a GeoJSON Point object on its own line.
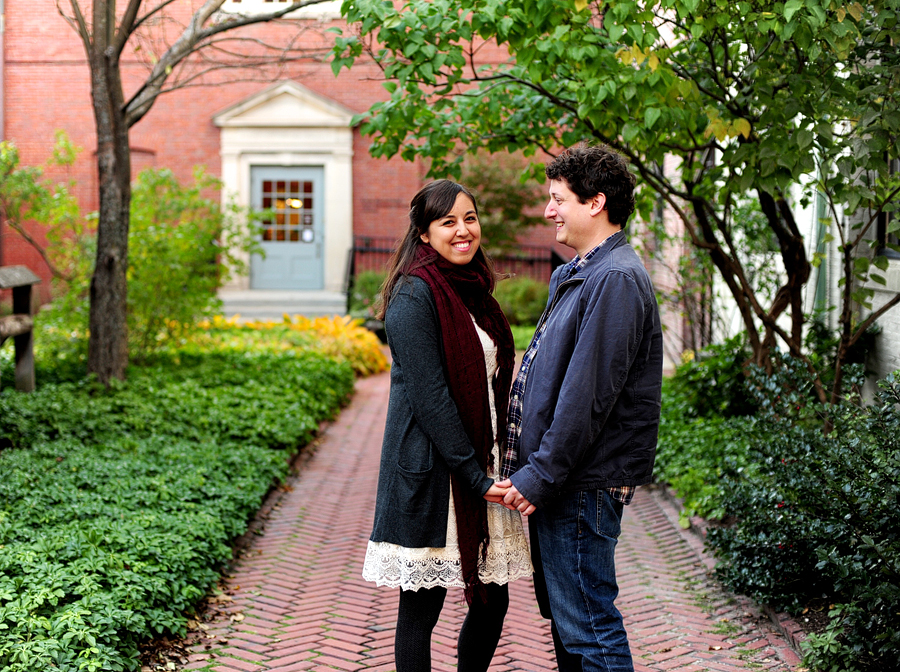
{"type": "Point", "coordinates": [653, 62]}
{"type": "Point", "coordinates": [841, 14]}
{"type": "Point", "coordinates": [580, 5]}
{"type": "Point", "coordinates": [638, 54]}
{"type": "Point", "coordinates": [855, 10]}
{"type": "Point", "coordinates": [741, 126]}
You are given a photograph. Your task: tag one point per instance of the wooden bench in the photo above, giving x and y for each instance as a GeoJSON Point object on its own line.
{"type": "Point", "coordinates": [20, 325]}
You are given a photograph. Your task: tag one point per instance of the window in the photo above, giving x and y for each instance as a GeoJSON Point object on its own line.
{"type": "Point", "coordinates": [291, 203]}
{"type": "Point", "coordinates": [885, 219]}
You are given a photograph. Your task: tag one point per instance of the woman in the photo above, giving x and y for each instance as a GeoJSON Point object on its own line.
{"type": "Point", "coordinates": [439, 522]}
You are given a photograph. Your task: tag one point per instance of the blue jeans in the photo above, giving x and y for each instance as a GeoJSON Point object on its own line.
{"type": "Point", "coordinates": [573, 548]}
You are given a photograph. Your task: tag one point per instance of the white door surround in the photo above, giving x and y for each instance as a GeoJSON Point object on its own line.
{"type": "Point", "coordinates": [288, 125]}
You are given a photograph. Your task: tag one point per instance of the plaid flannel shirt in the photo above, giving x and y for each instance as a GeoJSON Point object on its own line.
{"type": "Point", "coordinates": [510, 462]}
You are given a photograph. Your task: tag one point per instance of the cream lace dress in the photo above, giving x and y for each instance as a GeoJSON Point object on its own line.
{"type": "Point", "coordinates": [508, 557]}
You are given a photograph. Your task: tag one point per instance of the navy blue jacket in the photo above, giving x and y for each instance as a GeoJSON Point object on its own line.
{"type": "Point", "coordinates": [424, 439]}
{"type": "Point", "coordinates": [590, 414]}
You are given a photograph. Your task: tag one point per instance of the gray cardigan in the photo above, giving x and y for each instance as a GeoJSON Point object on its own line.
{"type": "Point", "coordinates": [424, 439]}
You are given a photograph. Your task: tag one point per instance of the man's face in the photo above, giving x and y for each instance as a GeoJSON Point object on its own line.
{"type": "Point", "coordinates": [576, 224]}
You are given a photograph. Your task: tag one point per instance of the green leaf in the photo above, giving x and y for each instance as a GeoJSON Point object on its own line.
{"type": "Point", "coordinates": [804, 138]}
{"type": "Point", "coordinates": [392, 21]}
{"type": "Point", "coordinates": [791, 7]}
{"type": "Point", "coordinates": [651, 115]}
{"type": "Point", "coordinates": [630, 131]}
{"type": "Point", "coordinates": [616, 31]}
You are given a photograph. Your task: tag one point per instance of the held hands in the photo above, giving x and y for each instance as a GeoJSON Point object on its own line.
{"type": "Point", "coordinates": [505, 493]}
{"type": "Point", "coordinates": [495, 494]}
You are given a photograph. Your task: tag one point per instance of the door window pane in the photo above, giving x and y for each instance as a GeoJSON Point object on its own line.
{"type": "Point", "coordinates": [292, 204]}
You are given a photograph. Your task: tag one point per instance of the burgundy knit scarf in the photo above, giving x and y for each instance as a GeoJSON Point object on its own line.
{"type": "Point", "coordinates": [459, 291]}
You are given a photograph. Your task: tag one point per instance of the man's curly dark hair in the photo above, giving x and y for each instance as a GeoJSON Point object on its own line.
{"type": "Point", "coordinates": [589, 170]}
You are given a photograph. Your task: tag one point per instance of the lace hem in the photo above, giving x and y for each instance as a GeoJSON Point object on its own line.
{"type": "Point", "coordinates": [508, 558]}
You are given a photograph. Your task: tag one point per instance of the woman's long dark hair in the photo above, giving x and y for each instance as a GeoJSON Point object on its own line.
{"type": "Point", "coordinates": [432, 202]}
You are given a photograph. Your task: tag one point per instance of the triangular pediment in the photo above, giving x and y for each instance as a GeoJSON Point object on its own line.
{"type": "Point", "coordinates": [285, 104]}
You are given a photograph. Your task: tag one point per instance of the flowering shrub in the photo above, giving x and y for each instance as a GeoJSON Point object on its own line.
{"type": "Point", "coordinates": [339, 337]}
{"type": "Point", "coordinates": [61, 348]}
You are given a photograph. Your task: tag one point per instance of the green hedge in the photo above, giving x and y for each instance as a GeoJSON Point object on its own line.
{"type": "Point", "coordinates": [817, 516]}
{"type": "Point", "coordinates": [706, 425]}
{"type": "Point", "coordinates": [804, 514]}
{"type": "Point", "coordinates": [117, 506]}
{"type": "Point", "coordinates": [522, 299]}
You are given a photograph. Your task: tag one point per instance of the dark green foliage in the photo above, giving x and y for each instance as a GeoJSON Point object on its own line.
{"type": "Point", "coordinates": [117, 505]}
{"type": "Point", "coordinates": [817, 515]}
{"type": "Point", "coordinates": [363, 296]}
{"type": "Point", "coordinates": [822, 344]}
{"type": "Point", "coordinates": [522, 299]}
{"type": "Point", "coordinates": [714, 383]}
{"type": "Point", "coordinates": [693, 452]}
{"type": "Point", "coordinates": [508, 202]}
{"type": "Point", "coordinates": [705, 424]}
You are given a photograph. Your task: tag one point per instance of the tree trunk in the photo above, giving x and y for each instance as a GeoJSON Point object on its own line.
{"type": "Point", "coordinates": [108, 346]}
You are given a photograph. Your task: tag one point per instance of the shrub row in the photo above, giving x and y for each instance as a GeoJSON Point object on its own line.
{"type": "Point", "coordinates": [817, 517]}
{"type": "Point", "coordinates": [117, 505]}
{"type": "Point", "coordinates": [522, 299]}
{"type": "Point", "coordinates": [706, 424]}
{"type": "Point", "coordinates": [805, 495]}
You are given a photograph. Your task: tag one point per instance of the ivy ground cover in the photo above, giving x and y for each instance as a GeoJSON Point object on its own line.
{"type": "Point", "coordinates": [117, 506]}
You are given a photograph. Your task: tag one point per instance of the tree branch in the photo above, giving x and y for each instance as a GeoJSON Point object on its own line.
{"type": "Point", "coordinates": [77, 22]}
{"type": "Point", "coordinates": [191, 39]}
{"type": "Point", "coordinates": [865, 324]}
{"type": "Point", "coordinates": [126, 26]}
{"type": "Point", "coordinates": [153, 12]}
{"type": "Point", "coordinates": [18, 228]}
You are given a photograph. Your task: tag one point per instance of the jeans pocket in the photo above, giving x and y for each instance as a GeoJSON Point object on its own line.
{"type": "Point", "coordinates": [609, 515]}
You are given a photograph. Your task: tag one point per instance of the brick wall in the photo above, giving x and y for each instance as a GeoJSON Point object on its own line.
{"type": "Point", "coordinates": [47, 88]}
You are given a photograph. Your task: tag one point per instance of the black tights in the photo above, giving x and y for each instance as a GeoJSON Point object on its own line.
{"type": "Point", "coordinates": [418, 614]}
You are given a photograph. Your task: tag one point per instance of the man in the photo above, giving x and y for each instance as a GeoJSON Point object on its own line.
{"type": "Point", "coordinates": [584, 409]}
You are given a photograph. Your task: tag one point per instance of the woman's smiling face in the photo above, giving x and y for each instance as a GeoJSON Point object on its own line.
{"type": "Point", "coordinates": [457, 235]}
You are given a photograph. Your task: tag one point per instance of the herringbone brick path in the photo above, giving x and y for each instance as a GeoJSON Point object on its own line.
{"type": "Point", "coordinates": [297, 601]}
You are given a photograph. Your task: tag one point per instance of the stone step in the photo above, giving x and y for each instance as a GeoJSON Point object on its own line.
{"type": "Point", "coordinates": [257, 304]}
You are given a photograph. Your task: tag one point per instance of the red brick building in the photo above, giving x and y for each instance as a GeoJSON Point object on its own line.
{"type": "Point", "coordinates": [284, 141]}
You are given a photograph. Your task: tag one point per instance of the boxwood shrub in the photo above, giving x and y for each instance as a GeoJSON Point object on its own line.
{"type": "Point", "coordinates": [805, 497]}
{"type": "Point", "coordinates": [817, 516]}
{"type": "Point", "coordinates": [117, 505]}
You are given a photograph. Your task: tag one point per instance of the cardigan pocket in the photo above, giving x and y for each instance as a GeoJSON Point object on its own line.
{"type": "Point", "coordinates": [415, 490]}
{"type": "Point", "coordinates": [416, 453]}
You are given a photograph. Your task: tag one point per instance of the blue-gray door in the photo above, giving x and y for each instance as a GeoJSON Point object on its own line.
{"type": "Point", "coordinates": [292, 237]}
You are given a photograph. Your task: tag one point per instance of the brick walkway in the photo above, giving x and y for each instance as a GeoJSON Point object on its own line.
{"type": "Point", "coordinates": [295, 600]}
